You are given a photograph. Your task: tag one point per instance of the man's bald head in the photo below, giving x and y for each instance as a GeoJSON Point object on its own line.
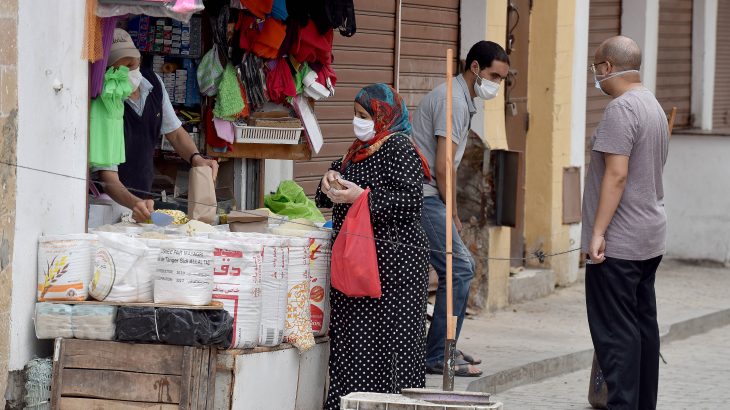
{"type": "Point", "coordinates": [622, 52]}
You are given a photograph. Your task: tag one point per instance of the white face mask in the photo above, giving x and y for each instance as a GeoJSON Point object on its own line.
{"type": "Point", "coordinates": [485, 89]}
{"type": "Point", "coordinates": [135, 77]}
{"type": "Point", "coordinates": [364, 129]}
{"type": "Point", "coordinates": [597, 82]}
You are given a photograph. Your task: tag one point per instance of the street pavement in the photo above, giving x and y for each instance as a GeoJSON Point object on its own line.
{"type": "Point", "coordinates": [549, 337]}
{"type": "Point", "coordinates": [696, 376]}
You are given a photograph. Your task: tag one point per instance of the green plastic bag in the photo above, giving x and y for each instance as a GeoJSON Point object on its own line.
{"type": "Point", "coordinates": [290, 200]}
{"type": "Point", "coordinates": [106, 119]}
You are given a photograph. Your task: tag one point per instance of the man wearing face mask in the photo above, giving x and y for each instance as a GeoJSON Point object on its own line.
{"type": "Point", "coordinates": [487, 64]}
{"type": "Point", "coordinates": [148, 114]}
{"type": "Point", "coordinates": [624, 227]}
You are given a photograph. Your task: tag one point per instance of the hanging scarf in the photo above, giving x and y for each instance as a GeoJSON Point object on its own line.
{"type": "Point", "coordinates": [390, 115]}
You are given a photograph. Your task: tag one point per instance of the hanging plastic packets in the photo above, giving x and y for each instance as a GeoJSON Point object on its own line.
{"type": "Point", "coordinates": [298, 330]}
{"type": "Point", "coordinates": [319, 252]}
{"type": "Point", "coordinates": [106, 119]}
{"type": "Point", "coordinates": [237, 277]}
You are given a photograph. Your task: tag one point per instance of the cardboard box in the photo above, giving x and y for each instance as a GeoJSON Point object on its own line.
{"type": "Point", "coordinates": [248, 221]}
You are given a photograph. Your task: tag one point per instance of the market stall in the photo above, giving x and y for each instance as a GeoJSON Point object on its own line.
{"type": "Point", "coordinates": [206, 304]}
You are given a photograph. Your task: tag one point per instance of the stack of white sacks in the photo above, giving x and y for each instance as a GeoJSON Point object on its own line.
{"type": "Point", "coordinates": [276, 287]}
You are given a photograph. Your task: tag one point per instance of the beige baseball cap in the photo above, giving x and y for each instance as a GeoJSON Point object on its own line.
{"type": "Point", "coordinates": [122, 46]}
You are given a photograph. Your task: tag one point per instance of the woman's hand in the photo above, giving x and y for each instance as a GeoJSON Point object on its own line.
{"type": "Point", "coordinates": [327, 180]}
{"type": "Point", "coordinates": [347, 195]}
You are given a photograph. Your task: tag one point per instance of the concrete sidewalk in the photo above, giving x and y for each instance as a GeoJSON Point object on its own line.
{"type": "Point", "coordinates": [548, 337]}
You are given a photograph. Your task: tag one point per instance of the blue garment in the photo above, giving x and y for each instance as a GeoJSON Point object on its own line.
{"type": "Point", "coordinates": [278, 11]}
{"type": "Point", "coordinates": [433, 219]}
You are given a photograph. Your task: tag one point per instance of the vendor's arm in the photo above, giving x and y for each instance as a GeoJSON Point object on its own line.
{"type": "Point", "coordinates": [141, 208]}
{"type": "Point", "coordinates": [179, 138]}
{"type": "Point", "coordinates": [184, 146]}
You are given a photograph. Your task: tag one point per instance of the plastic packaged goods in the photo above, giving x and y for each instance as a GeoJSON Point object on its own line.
{"type": "Point", "coordinates": [237, 278]}
{"type": "Point", "coordinates": [274, 285]}
{"type": "Point", "coordinates": [65, 266]}
{"type": "Point", "coordinates": [95, 322]}
{"type": "Point", "coordinates": [184, 273]}
{"type": "Point", "coordinates": [53, 320]}
{"type": "Point", "coordinates": [120, 270]}
{"type": "Point", "coordinates": [182, 327]}
{"type": "Point", "coordinates": [319, 249]}
{"type": "Point", "coordinates": [298, 329]}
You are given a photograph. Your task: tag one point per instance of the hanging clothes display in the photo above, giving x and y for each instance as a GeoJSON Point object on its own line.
{"type": "Point", "coordinates": [106, 119]}
{"type": "Point", "coordinates": [98, 68]}
{"type": "Point", "coordinates": [229, 102]}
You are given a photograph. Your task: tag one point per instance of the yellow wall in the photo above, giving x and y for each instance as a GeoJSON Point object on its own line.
{"type": "Point", "coordinates": [494, 127]}
{"type": "Point", "coordinates": [548, 139]}
{"type": "Point", "coordinates": [499, 237]}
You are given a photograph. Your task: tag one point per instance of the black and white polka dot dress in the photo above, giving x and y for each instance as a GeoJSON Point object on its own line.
{"type": "Point", "coordinates": [378, 345]}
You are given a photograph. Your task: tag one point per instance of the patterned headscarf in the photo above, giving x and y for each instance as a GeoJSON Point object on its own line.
{"type": "Point", "coordinates": [390, 116]}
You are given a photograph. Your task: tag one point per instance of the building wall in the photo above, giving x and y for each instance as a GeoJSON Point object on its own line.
{"type": "Point", "coordinates": [8, 140]}
{"type": "Point", "coordinates": [697, 198]}
{"type": "Point", "coordinates": [500, 237]}
{"type": "Point", "coordinates": [578, 117]}
{"type": "Point", "coordinates": [52, 136]}
{"type": "Point", "coordinates": [549, 137]}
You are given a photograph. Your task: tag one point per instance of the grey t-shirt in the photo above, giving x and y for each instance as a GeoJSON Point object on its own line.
{"type": "Point", "coordinates": [429, 122]}
{"type": "Point", "coordinates": [634, 125]}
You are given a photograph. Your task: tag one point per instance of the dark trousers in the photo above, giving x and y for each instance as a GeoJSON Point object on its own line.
{"type": "Point", "coordinates": [621, 306]}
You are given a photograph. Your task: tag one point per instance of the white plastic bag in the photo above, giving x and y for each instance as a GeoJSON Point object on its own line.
{"type": "Point", "coordinates": [237, 277]}
{"type": "Point", "coordinates": [184, 274]}
{"type": "Point", "coordinates": [120, 273]}
{"type": "Point", "coordinates": [65, 266]}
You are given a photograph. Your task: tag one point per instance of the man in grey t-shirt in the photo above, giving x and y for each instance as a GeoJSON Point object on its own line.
{"type": "Point", "coordinates": [487, 64]}
{"type": "Point", "coordinates": [624, 227]}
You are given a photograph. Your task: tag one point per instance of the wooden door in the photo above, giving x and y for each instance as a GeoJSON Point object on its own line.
{"type": "Point", "coordinates": [674, 59]}
{"type": "Point", "coordinates": [604, 22]}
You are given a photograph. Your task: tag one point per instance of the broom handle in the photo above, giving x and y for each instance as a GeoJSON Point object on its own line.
{"type": "Point", "coordinates": [450, 322]}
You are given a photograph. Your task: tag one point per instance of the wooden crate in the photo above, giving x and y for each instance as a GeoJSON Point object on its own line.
{"type": "Point", "coordinates": [91, 374]}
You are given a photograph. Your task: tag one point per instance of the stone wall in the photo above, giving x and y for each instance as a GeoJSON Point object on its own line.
{"type": "Point", "coordinates": [473, 190]}
{"type": "Point", "coordinates": [8, 143]}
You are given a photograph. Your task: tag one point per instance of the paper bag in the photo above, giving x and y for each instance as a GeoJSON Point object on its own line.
{"type": "Point", "coordinates": [201, 195]}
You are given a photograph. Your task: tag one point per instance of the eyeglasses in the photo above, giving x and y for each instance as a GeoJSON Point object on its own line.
{"type": "Point", "coordinates": [594, 65]}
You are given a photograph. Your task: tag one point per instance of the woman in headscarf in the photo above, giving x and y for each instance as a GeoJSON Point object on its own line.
{"type": "Point", "coordinates": [378, 345]}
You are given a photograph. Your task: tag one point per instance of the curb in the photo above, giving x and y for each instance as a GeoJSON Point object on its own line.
{"type": "Point", "coordinates": [568, 363]}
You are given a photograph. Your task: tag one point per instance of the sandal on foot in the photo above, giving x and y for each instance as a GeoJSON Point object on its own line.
{"type": "Point", "coordinates": [461, 369]}
{"type": "Point", "coordinates": [467, 357]}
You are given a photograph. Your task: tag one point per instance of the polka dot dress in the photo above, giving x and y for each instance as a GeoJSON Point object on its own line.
{"type": "Point", "coordinates": [378, 345]}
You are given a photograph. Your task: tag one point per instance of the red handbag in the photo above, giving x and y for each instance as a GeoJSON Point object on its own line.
{"type": "Point", "coordinates": [354, 258]}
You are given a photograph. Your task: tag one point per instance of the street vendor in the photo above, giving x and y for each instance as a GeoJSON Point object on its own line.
{"type": "Point", "coordinates": [148, 114]}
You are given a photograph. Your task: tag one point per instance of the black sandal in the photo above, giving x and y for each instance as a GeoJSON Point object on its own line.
{"type": "Point", "coordinates": [468, 358]}
{"type": "Point", "coordinates": [461, 369]}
